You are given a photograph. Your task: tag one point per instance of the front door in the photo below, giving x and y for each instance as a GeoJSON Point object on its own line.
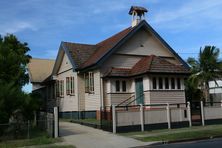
{"type": "Point", "coordinates": [139, 91]}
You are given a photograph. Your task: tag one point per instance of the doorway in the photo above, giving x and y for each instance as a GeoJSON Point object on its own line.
{"type": "Point", "coordinates": [139, 91]}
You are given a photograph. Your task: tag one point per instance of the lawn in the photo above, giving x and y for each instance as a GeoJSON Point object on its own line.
{"type": "Point", "coordinates": [177, 134]}
{"type": "Point", "coordinates": [28, 142]}
{"type": "Point", "coordinates": [37, 137]}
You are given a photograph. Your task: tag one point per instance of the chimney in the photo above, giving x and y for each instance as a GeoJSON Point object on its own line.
{"type": "Point", "coordinates": [138, 14]}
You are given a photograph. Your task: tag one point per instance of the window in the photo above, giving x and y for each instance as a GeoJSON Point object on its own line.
{"type": "Point", "coordinates": [70, 86]}
{"type": "Point", "coordinates": [120, 86]}
{"type": "Point", "coordinates": [154, 83]}
{"type": "Point", "coordinates": [86, 82]}
{"type": "Point", "coordinates": [178, 83]}
{"type": "Point", "coordinates": [117, 86]}
{"type": "Point", "coordinates": [67, 86]}
{"type": "Point", "coordinates": [166, 83]}
{"type": "Point", "coordinates": [60, 88]}
{"type": "Point", "coordinates": [57, 88]}
{"type": "Point", "coordinates": [89, 82]}
{"type": "Point", "coordinates": [172, 83]}
{"type": "Point", "coordinates": [124, 86]}
{"type": "Point", "coordinates": [160, 83]}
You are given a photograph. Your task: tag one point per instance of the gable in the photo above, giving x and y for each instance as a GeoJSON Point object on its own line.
{"type": "Point", "coordinates": [65, 64]}
{"type": "Point", "coordinates": [143, 43]}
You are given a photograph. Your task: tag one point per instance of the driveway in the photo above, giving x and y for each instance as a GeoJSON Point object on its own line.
{"type": "Point", "coordinates": [87, 137]}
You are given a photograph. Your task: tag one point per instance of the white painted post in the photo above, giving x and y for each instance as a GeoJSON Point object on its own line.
{"type": "Point", "coordinates": [56, 122]}
{"type": "Point", "coordinates": [114, 118]}
{"type": "Point", "coordinates": [202, 112]}
{"type": "Point", "coordinates": [168, 116]}
{"type": "Point", "coordinates": [189, 114]}
{"type": "Point", "coordinates": [141, 117]}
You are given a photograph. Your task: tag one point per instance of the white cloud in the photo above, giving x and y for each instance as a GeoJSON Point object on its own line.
{"type": "Point", "coordinates": [16, 27]}
{"type": "Point", "coordinates": [191, 13]}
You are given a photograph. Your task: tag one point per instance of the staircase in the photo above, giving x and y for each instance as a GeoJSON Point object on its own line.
{"type": "Point", "coordinates": [127, 101]}
{"type": "Point", "coordinates": [130, 101]}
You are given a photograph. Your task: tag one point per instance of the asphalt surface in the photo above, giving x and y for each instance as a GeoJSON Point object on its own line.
{"type": "Point", "coordinates": [212, 143]}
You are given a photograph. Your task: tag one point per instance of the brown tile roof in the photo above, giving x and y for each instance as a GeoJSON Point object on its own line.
{"type": "Point", "coordinates": [124, 72]}
{"type": "Point", "coordinates": [85, 55]}
{"type": "Point", "coordinates": [104, 46]}
{"type": "Point", "coordinates": [40, 69]}
{"type": "Point", "coordinates": [142, 65]}
{"type": "Point", "coordinates": [161, 65]}
{"type": "Point", "coordinates": [149, 64]}
{"type": "Point", "coordinates": [80, 52]}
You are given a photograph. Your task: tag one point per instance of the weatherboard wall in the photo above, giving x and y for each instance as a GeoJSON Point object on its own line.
{"type": "Point", "coordinates": [144, 43]}
{"type": "Point", "coordinates": [93, 100]}
{"type": "Point", "coordinates": [68, 102]}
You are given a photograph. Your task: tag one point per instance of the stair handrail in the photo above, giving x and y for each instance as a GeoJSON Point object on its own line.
{"type": "Point", "coordinates": [126, 100]}
{"type": "Point", "coordinates": [135, 99]}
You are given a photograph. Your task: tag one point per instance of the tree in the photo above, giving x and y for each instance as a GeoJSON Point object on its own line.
{"type": "Point", "coordinates": [206, 68]}
{"type": "Point", "coordinates": [13, 60]}
{"type": "Point", "coordinates": [13, 75]}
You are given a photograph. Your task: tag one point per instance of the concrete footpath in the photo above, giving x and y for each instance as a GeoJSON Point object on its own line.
{"type": "Point", "coordinates": [87, 137]}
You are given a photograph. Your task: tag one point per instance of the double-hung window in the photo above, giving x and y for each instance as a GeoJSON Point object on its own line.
{"type": "Point", "coordinates": [154, 83]}
{"type": "Point", "coordinates": [178, 83]}
{"type": "Point", "coordinates": [120, 86]}
{"type": "Point", "coordinates": [166, 83]}
{"type": "Point", "coordinates": [60, 88]}
{"type": "Point", "coordinates": [70, 90]}
{"type": "Point", "coordinates": [89, 82]}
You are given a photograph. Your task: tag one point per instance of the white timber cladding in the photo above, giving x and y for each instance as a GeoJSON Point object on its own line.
{"type": "Point", "coordinates": [144, 43]}
{"type": "Point", "coordinates": [65, 64]}
{"type": "Point", "coordinates": [165, 96]}
{"type": "Point", "coordinates": [106, 91]}
{"type": "Point", "coordinates": [92, 100]}
{"type": "Point", "coordinates": [67, 102]}
{"type": "Point", "coordinates": [151, 96]}
{"type": "Point", "coordinates": [81, 92]}
{"type": "Point", "coordinates": [213, 112]}
{"type": "Point", "coordinates": [120, 61]}
{"type": "Point", "coordinates": [169, 77]}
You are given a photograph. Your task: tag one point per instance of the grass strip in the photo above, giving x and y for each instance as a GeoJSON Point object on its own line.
{"type": "Point", "coordinates": [195, 132]}
{"type": "Point", "coordinates": [29, 142]}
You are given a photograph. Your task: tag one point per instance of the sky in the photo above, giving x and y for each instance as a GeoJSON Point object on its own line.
{"type": "Point", "coordinates": [186, 25]}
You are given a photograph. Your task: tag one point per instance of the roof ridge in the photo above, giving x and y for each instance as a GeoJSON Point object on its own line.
{"type": "Point", "coordinates": [79, 43]}
{"type": "Point", "coordinates": [42, 59]}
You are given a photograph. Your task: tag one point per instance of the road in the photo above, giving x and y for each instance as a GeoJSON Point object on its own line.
{"type": "Point", "coordinates": [212, 143]}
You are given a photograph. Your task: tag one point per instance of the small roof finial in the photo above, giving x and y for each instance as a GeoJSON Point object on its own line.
{"type": "Point", "coordinates": [138, 9]}
{"type": "Point", "coordinates": [138, 14]}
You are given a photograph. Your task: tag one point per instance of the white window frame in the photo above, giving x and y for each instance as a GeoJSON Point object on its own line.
{"type": "Point", "coordinates": [89, 82]}
{"type": "Point", "coordinates": [70, 86]}
{"type": "Point", "coordinates": [120, 86]}
{"type": "Point", "coordinates": [169, 83]}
